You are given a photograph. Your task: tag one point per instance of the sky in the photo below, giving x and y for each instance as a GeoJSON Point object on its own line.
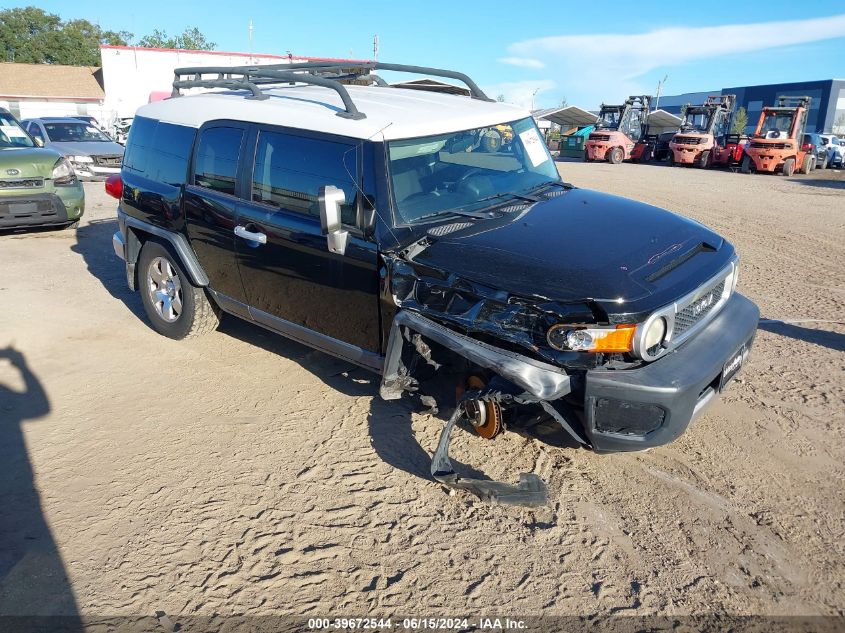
{"type": "Point", "coordinates": [533, 53]}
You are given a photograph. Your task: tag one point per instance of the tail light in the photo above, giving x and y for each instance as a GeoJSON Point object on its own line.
{"type": "Point", "coordinates": [808, 147]}
{"type": "Point", "coordinates": [114, 186]}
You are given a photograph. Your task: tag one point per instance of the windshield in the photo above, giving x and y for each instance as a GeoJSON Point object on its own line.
{"type": "Point", "coordinates": [609, 119]}
{"type": "Point", "coordinates": [73, 132]}
{"type": "Point", "coordinates": [464, 171]}
{"type": "Point", "coordinates": [776, 125]}
{"type": "Point", "coordinates": [698, 121]}
{"type": "Point", "coordinates": [12, 134]}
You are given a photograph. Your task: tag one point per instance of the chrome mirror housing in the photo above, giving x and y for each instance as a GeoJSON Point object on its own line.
{"type": "Point", "coordinates": [331, 198]}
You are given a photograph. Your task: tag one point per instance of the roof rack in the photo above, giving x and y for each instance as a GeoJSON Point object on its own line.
{"type": "Point", "coordinates": [326, 74]}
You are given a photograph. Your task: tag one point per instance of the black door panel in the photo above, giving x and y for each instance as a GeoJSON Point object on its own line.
{"type": "Point", "coordinates": [294, 277]}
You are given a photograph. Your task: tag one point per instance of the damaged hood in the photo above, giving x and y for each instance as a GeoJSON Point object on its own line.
{"type": "Point", "coordinates": [583, 245]}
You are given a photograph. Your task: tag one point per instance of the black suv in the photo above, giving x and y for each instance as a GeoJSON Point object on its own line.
{"type": "Point", "coordinates": [427, 235]}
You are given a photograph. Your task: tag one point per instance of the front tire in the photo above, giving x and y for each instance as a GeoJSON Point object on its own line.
{"type": "Point", "coordinates": [808, 164]}
{"type": "Point", "coordinates": [174, 306]}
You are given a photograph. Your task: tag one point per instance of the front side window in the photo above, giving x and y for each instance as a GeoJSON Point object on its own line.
{"type": "Point", "coordinates": [35, 131]}
{"type": "Point", "coordinates": [216, 162]}
{"type": "Point", "coordinates": [74, 132]}
{"type": "Point", "coordinates": [12, 134]}
{"type": "Point", "coordinates": [467, 170]}
{"type": "Point", "coordinates": [289, 171]}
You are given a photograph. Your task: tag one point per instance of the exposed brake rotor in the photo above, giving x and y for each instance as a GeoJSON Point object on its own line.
{"type": "Point", "coordinates": [485, 416]}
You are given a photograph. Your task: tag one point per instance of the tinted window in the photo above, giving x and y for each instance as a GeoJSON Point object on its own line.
{"type": "Point", "coordinates": [216, 162]}
{"type": "Point", "coordinates": [159, 151]}
{"type": "Point", "coordinates": [289, 171]}
{"type": "Point", "coordinates": [35, 131]}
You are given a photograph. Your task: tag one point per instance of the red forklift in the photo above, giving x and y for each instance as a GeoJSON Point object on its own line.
{"type": "Point", "coordinates": [620, 132]}
{"type": "Point", "coordinates": [778, 142]}
{"type": "Point", "coordinates": [703, 140]}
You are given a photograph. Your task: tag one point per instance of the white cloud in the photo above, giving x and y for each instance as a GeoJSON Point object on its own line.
{"type": "Point", "coordinates": [599, 65]}
{"type": "Point", "coordinates": [520, 92]}
{"type": "Point", "coordinates": [524, 62]}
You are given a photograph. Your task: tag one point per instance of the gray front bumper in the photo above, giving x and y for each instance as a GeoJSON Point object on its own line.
{"type": "Point", "coordinates": [675, 388]}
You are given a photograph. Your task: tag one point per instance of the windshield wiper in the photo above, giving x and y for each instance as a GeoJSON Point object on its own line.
{"type": "Point", "coordinates": [459, 212]}
{"type": "Point", "coordinates": [518, 196]}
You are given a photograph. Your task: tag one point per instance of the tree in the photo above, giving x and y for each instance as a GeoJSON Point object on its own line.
{"type": "Point", "coordinates": [190, 39]}
{"type": "Point", "coordinates": [740, 121]}
{"type": "Point", "coordinates": [683, 111]}
{"type": "Point", "coordinates": [839, 124]}
{"type": "Point", "coordinates": [500, 98]}
{"type": "Point", "coordinates": [31, 35]}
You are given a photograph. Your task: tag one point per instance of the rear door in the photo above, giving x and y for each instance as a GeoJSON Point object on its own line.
{"type": "Point", "coordinates": [292, 282]}
{"type": "Point", "coordinates": [211, 206]}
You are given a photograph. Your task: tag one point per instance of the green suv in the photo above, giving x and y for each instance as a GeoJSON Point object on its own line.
{"type": "Point", "coordinates": [38, 187]}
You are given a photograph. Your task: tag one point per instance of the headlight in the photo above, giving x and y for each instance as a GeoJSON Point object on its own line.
{"type": "Point", "coordinates": [565, 338]}
{"type": "Point", "coordinates": [80, 159]}
{"type": "Point", "coordinates": [654, 335]}
{"type": "Point", "coordinates": [63, 173]}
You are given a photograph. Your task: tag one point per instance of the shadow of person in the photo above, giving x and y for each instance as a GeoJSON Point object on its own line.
{"type": "Point", "coordinates": [94, 243]}
{"type": "Point", "coordinates": [824, 338]}
{"type": "Point", "coordinates": [33, 581]}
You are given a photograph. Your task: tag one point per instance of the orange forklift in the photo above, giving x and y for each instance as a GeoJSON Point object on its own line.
{"type": "Point", "coordinates": [777, 143]}
{"type": "Point", "coordinates": [620, 132]}
{"type": "Point", "coordinates": [703, 139]}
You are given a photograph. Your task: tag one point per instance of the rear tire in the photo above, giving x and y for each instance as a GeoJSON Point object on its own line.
{"type": "Point", "coordinates": [745, 165]}
{"type": "Point", "coordinates": [670, 158]}
{"type": "Point", "coordinates": [788, 167]}
{"type": "Point", "coordinates": [587, 157]}
{"type": "Point", "coordinates": [615, 155]}
{"type": "Point", "coordinates": [175, 307]}
{"type": "Point", "coordinates": [704, 159]}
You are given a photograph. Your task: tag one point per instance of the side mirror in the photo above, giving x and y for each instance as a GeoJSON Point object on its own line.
{"type": "Point", "coordinates": [38, 141]}
{"type": "Point", "coordinates": [330, 198]}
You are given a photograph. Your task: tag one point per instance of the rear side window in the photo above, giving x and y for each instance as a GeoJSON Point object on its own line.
{"type": "Point", "coordinates": [159, 151]}
{"type": "Point", "coordinates": [289, 171]}
{"type": "Point", "coordinates": [216, 161]}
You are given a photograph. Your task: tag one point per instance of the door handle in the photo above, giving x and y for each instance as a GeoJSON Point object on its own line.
{"type": "Point", "coordinates": [241, 231]}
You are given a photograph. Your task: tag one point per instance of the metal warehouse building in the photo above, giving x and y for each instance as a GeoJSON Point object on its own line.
{"type": "Point", "coordinates": [827, 109]}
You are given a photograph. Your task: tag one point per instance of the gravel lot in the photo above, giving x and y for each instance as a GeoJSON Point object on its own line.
{"type": "Point", "coordinates": [242, 473]}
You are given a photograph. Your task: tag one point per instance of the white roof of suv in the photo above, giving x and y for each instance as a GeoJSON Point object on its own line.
{"type": "Point", "coordinates": [391, 113]}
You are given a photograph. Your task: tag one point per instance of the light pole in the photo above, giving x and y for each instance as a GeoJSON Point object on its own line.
{"type": "Point", "coordinates": [534, 94]}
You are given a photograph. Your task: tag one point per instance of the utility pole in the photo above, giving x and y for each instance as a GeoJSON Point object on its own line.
{"type": "Point", "coordinates": [375, 47]}
{"type": "Point", "coordinates": [250, 43]}
{"type": "Point", "coordinates": [659, 90]}
{"type": "Point", "coordinates": [534, 94]}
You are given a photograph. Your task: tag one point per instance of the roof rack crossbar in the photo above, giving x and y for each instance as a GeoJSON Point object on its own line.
{"type": "Point", "coordinates": [315, 73]}
{"type": "Point", "coordinates": [252, 76]}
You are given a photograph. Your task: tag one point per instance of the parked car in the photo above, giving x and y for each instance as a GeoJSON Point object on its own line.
{"type": "Point", "coordinates": [90, 150]}
{"type": "Point", "coordinates": [818, 148]}
{"type": "Point", "coordinates": [37, 185]}
{"type": "Point", "coordinates": [391, 238]}
{"type": "Point", "coordinates": [835, 150]}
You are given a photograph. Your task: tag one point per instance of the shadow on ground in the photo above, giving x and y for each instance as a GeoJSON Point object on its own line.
{"type": "Point", "coordinates": [33, 580]}
{"type": "Point", "coordinates": [824, 338]}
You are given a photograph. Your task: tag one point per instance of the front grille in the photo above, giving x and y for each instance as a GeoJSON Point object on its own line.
{"type": "Point", "coordinates": [22, 183]}
{"type": "Point", "coordinates": [599, 137]}
{"type": "Point", "coordinates": [768, 145]}
{"type": "Point", "coordinates": [688, 140]}
{"type": "Point", "coordinates": [698, 309]}
{"type": "Point", "coordinates": [108, 161]}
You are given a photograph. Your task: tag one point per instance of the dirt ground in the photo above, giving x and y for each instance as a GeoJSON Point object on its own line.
{"type": "Point", "coordinates": [242, 473]}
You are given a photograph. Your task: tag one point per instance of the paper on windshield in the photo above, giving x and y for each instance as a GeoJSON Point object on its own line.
{"type": "Point", "coordinates": [534, 147]}
{"type": "Point", "coordinates": [12, 131]}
